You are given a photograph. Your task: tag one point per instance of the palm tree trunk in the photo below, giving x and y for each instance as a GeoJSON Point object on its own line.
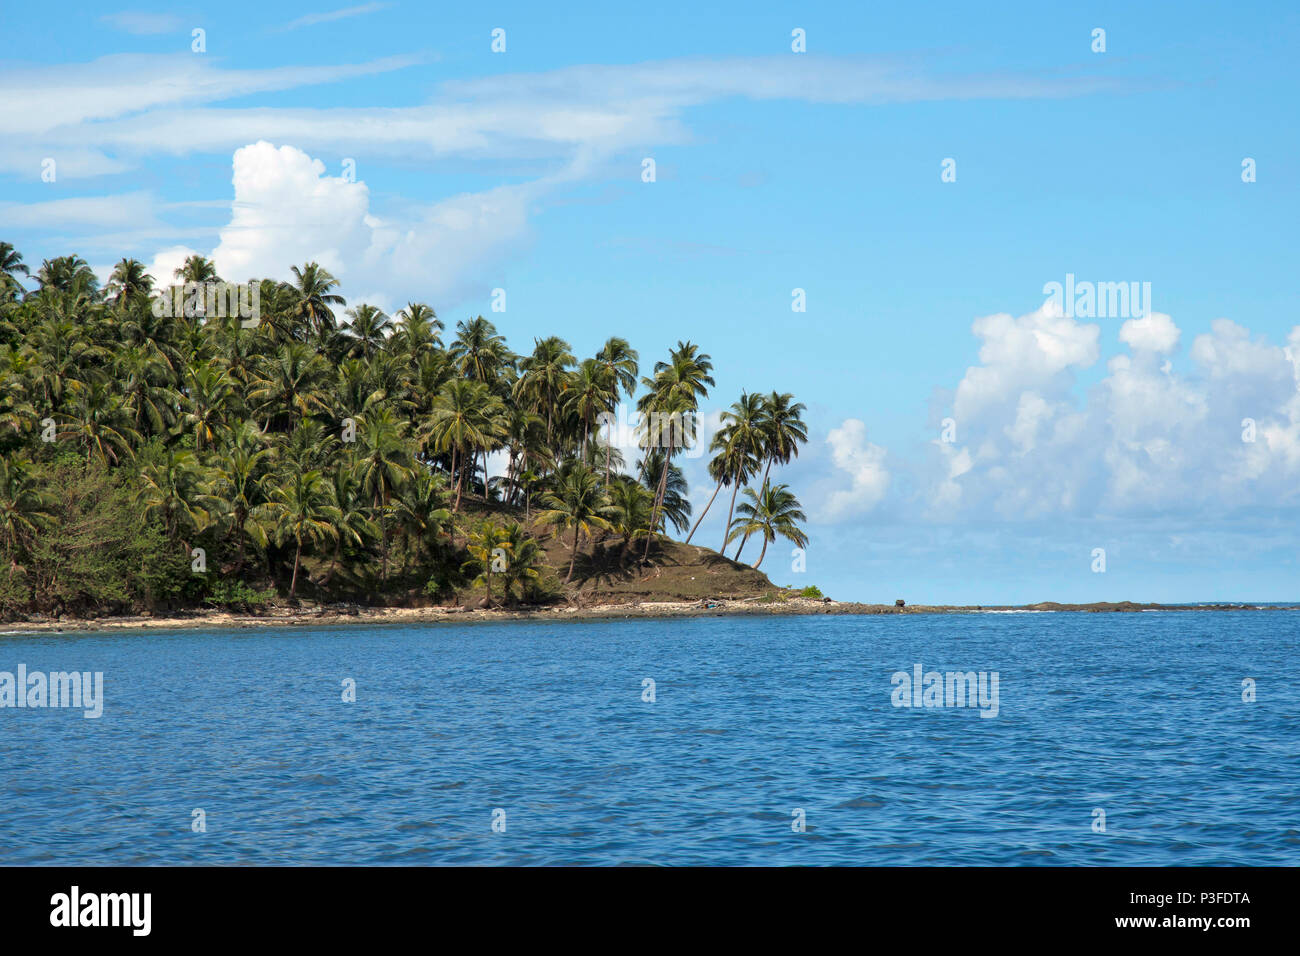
{"type": "Point", "coordinates": [705, 512]}
{"type": "Point", "coordinates": [761, 553]}
{"type": "Point", "coordinates": [293, 583]}
{"type": "Point", "coordinates": [460, 477]}
{"type": "Point", "coordinates": [730, 512]}
{"type": "Point", "coordinates": [762, 487]}
{"type": "Point", "coordinates": [608, 439]}
{"type": "Point", "coordinates": [654, 512]}
{"type": "Point", "coordinates": [574, 558]}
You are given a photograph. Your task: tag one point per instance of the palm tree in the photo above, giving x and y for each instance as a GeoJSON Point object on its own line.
{"type": "Point", "coordinates": [208, 392]}
{"type": "Point", "coordinates": [543, 376]}
{"type": "Point", "coordinates": [174, 487]}
{"type": "Point", "coordinates": [578, 503]}
{"type": "Point", "coordinates": [366, 331]}
{"type": "Point", "coordinates": [420, 514]}
{"type": "Point", "coordinates": [383, 465]}
{"type": "Point", "coordinates": [11, 267]}
{"type": "Point", "coordinates": [22, 506]}
{"type": "Point", "coordinates": [738, 445]}
{"type": "Point", "coordinates": [237, 489]}
{"type": "Point", "coordinates": [633, 506]}
{"type": "Point", "coordinates": [619, 360]}
{"type": "Point", "coordinates": [300, 509]}
{"type": "Point", "coordinates": [592, 390]}
{"type": "Point", "coordinates": [68, 274]}
{"type": "Point", "coordinates": [773, 511]}
{"type": "Point", "coordinates": [465, 418]}
{"type": "Point", "coordinates": [782, 430]}
{"type": "Point", "coordinates": [673, 398]}
{"type": "Point", "coordinates": [352, 515]}
{"type": "Point", "coordinates": [488, 547]}
{"type": "Point", "coordinates": [99, 420]}
{"type": "Point", "coordinates": [418, 329]}
{"type": "Point", "coordinates": [314, 285]}
{"type": "Point", "coordinates": [524, 561]}
{"type": "Point", "coordinates": [129, 282]}
{"type": "Point", "coordinates": [196, 268]}
{"type": "Point", "coordinates": [478, 351]}
{"type": "Point", "coordinates": [285, 386]}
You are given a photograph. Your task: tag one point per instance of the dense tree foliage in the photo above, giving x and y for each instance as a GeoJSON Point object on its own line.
{"type": "Point", "coordinates": [160, 456]}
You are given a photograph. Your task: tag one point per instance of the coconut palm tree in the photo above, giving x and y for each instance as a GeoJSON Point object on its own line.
{"type": "Point", "coordinates": [737, 446]}
{"type": "Point", "coordinates": [315, 285]}
{"type": "Point", "coordinates": [782, 431]}
{"type": "Point", "coordinates": [417, 332]}
{"type": "Point", "coordinates": [23, 506]}
{"type": "Point", "coordinates": [174, 488]}
{"type": "Point", "coordinates": [578, 503]}
{"type": "Point", "coordinates": [668, 410]}
{"type": "Point", "coordinates": [11, 267]}
{"type": "Point", "coordinates": [130, 282]}
{"type": "Point", "coordinates": [772, 512]}
{"type": "Point", "coordinates": [299, 510]}
{"type": "Point", "coordinates": [592, 390]}
{"type": "Point", "coordinates": [544, 375]}
{"type": "Point", "coordinates": [366, 331]}
{"type": "Point", "coordinates": [633, 505]}
{"type": "Point", "coordinates": [383, 465]}
{"type": "Point", "coordinates": [478, 351]}
{"type": "Point", "coordinates": [465, 419]}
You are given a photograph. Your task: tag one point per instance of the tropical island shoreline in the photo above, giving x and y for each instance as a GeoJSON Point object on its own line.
{"type": "Point", "coordinates": [350, 614]}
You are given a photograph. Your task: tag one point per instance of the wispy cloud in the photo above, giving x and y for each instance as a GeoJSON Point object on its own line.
{"type": "Point", "coordinates": [330, 16]}
{"type": "Point", "coordinates": [143, 24]}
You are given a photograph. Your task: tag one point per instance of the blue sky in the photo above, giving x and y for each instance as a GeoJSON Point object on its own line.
{"type": "Point", "coordinates": [775, 170]}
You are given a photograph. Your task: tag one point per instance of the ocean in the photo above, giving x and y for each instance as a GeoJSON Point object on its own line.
{"type": "Point", "coordinates": [1160, 738]}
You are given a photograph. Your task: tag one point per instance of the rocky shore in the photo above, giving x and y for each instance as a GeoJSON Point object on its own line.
{"type": "Point", "coordinates": [326, 615]}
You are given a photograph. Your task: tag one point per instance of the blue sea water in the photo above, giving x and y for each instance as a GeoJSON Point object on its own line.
{"type": "Point", "coordinates": [1139, 715]}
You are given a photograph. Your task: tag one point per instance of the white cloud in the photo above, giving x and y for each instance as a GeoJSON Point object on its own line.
{"type": "Point", "coordinates": [143, 24]}
{"type": "Point", "coordinates": [287, 211]}
{"type": "Point", "coordinates": [1155, 332]}
{"type": "Point", "coordinates": [330, 16]}
{"type": "Point", "coordinates": [864, 464]}
{"type": "Point", "coordinates": [1142, 440]}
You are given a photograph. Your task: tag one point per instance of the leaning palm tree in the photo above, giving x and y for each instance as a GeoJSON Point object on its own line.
{"type": "Point", "coordinates": [772, 512]}
{"type": "Point", "coordinates": [576, 503]}
{"type": "Point", "coordinates": [300, 510]}
{"type": "Point", "coordinates": [738, 445]}
{"type": "Point", "coordinates": [782, 430]}
{"type": "Point", "coordinates": [668, 410]}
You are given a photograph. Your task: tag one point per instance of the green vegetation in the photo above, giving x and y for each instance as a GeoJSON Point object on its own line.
{"type": "Point", "coordinates": [162, 458]}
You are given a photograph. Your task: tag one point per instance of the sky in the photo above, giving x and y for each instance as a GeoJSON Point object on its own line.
{"type": "Point", "coordinates": [921, 172]}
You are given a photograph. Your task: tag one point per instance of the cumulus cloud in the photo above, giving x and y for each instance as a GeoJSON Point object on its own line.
{"type": "Point", "coordinates": [288, 210]}
{"type": "Point", "coordinates": [1154, 332]}
{"type": "Point", "coordinates": [1144, 439]}
{"type": "Point", "coordinates": [863, 463]}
